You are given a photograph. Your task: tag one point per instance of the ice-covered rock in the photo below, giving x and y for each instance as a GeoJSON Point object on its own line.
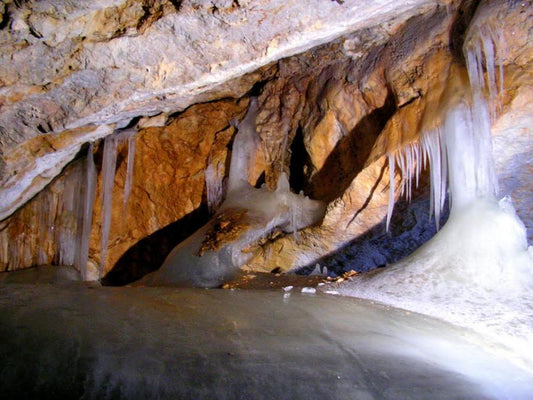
{"type": "Point", "coordinates": [216, 251]}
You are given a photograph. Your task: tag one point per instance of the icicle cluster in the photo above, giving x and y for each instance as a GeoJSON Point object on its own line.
{"type": "Point", "coordinates": [464, 136]}
{"type": "Point", "coordinates": [477, 271]}
{"type": "Point", "coordinates": [55, 227]}
{"type": "Point", "coordinates": [109, 163]}
{"type": "Point", "coordinates": [465, 133]}
{"type": "Point", "coordinates": [408, 160]}
{"type": "Point", "coordinates": [483, 50]}
{"type": "Point", "coordinates": [461, 143]}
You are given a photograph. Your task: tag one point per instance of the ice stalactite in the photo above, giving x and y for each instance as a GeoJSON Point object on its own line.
{"type": "Point", "coordinates": [109, 165]}
{"type": "Point", "coordinates": [84, 231]}
{"type": "Point", "coordinates": [246, 217]}
{"type": "Point", "coordinates": [131, 137]}
{"type": "Point", "coordinates": [214, 183]}
{"type": "Point", "coordinates": [484, 50]}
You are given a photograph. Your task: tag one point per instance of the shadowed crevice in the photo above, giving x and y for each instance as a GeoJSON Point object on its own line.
{"type": "Point", "coordinates": [460, 26]}
{"type": "Point", "coordinates": [148, 254]}
{"type": "Point", "coordinates": [370, 195]}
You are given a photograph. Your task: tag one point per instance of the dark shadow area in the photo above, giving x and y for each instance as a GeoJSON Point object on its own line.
{"type": "Point", "coordinates": [149, 253]}
{"type": "Point", "coordinates": [411, 227]}
{"type": "Point", "coordinates": [299, 162]}
{"type": "Point", "coordinates": [372, 191]}
{"type": "Point", "coordinates": [349, 156]}
{"type": "Point", "coordinates": [459, 27]}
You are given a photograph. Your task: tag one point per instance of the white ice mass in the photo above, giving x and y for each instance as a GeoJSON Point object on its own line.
{"type": "Point", "coordinates": [255, 213]}
{"type": "Point", "coordinates": [477, 271]}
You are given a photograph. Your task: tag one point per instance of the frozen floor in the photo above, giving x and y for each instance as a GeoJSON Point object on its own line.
{"type": "Point", "coordinates": [72, 340]}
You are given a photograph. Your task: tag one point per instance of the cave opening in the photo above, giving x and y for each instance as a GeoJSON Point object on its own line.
{"type": "Point", "coordinates": [299, 163]}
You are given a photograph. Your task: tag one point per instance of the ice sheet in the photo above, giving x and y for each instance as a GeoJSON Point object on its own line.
{"type": "Point", "coordinates": [147, 343]}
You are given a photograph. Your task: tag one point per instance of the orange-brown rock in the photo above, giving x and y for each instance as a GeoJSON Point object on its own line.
{"type": "Point", "coordinates": [169, 181]}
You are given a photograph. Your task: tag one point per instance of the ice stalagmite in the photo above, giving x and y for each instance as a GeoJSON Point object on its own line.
{"type": "Point", "coordinates": [216, 251]}
{"type": "Point", "coordinates": [477, 271]}
{"type": "Point", "coordinates": [244, 149]}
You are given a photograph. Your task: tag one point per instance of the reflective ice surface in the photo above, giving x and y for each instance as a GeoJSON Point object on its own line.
{"type": "Point", "coordinates": [76, 341]}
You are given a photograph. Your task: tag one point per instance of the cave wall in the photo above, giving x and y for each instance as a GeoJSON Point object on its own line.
{"type": "Point", "coordinates": [328, 116]}
{"type": "Point", "coordinates": [69, 67]}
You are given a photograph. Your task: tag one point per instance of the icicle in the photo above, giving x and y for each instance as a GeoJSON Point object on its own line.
{"type": "Point", "coordinates": [108, 180]}
{"type": "Point", "coordinates": [483, 48]}
{"type": "Point", "coordinates": [419, 162]}
{"type": "Point", "coordinates": [214, 183]}
{"type": "Point", "coordinates": [131, 138]}
{"type": "Point", "coordinates": [392, 196]}
{"type": "Point", "coordinates": [68, 211]}
{"type": "Point", "coordinates": [84, 229]}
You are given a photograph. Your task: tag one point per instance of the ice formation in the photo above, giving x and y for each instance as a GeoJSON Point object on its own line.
{"type": "Point", "coordinates": [244, 149]}
{"type": "Point", "coordinates": [477, 271]}
{"type": "Point", "coordinates": [130, 138]}
{"type": "Point", "coordinates": [214, 184]}
{"type": "Point", "coordinates": [84, 232]}
{"type": "Point", "coordinates": [109, 164]}
{"type": "Point", "coordinates": [56, 228]}
{"type": "Point", "coordinates": [216, 251]}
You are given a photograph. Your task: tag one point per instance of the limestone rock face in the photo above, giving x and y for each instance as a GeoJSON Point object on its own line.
{"type": "Point", "coordinates": [66, 65]}
{"type": "Point", "coordinates": [340, 85]}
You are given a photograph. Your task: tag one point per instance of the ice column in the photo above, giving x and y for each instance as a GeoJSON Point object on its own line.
{"type": "Point", "coordinates": [84, 231]}
{"type": "Point", "coordinates": [75, 208]}
{"type": "Point", "coordinates": [109, 164]}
